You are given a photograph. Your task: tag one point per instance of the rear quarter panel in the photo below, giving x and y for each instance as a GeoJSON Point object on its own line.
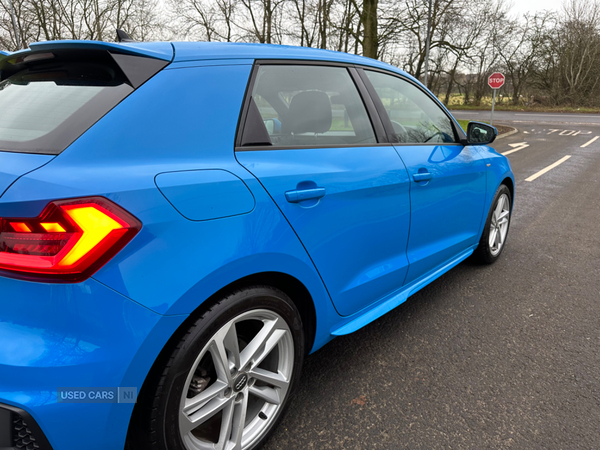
{"type": "Point", "coordinates": [180, 120]}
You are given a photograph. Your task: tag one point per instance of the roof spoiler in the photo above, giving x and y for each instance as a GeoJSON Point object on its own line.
{"type": "Point", "coordinates": [156, 50]}
{"type": "Point", "coordinates": [139, 62]}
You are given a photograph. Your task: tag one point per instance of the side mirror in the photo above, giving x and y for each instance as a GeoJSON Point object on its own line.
{"type": "Point", "coordinates": [481, 133]}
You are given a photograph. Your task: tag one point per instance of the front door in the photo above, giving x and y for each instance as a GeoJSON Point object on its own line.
{"type": "Point", "coordinates": [447, 179]}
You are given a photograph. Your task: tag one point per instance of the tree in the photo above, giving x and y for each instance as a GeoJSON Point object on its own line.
{"type": "Point", "coordinates": [519, 47]}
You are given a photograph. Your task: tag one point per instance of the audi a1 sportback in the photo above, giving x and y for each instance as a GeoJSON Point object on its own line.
{"type": "Point", "coordinates": [182, 223]}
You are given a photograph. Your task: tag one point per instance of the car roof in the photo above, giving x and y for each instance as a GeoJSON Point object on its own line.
{"type": "Point", "coordinates": [202, 51]}
{"type": "Point", "coordinates": [194, 51]}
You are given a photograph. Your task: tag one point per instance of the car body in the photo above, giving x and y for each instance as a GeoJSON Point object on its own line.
{"type": "Point", "coordinates": [348, 230]}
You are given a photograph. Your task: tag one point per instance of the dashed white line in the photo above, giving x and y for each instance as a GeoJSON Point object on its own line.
{"type": "Point", "coordinates": [590, 142]}
{"type": "Point", "coordinates": [547, 169]}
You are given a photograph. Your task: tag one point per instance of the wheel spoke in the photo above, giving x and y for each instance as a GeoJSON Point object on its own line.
{"type": "Point", "coordinates": [189, 422]}
{"type": "Point", "coordinates": [269, 346]}
{"type": "Point", "coordinates": [226, 426]}
{"type": "Point", "coordinates": [230, 342]}
{"type": "Point", "coordinates": [238, 423]}
{"type": "Point", "coordinates": [262, 344]}
{"type": "Point", "coordinates": [221, 360]}
{"type": "Point", "coordinates": [268, 394]}
{"type": "Point", "coordinates": [210, 393]}
{"type": "Point", "coordinates": [493, 233]}
{"type": "Point", "coordinates": [503, 217]}
{"type": "Point", "coordinates": [271, 378]}
{"type": "Point", "coordinates": [499, 206]}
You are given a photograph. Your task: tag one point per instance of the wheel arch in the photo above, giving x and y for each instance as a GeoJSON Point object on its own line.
{"type": "Point", "coordinates": [511, 187]}
{"type": "Point", "coordinates": [286, 283]}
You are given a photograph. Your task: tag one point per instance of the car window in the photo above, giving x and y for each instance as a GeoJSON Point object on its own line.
{"type": "Point", "coordinates": [416, 118]}
{"type": "Point", "coordinates": [308, 106]}
{"type": "Point", "coordinates": [44, 110]}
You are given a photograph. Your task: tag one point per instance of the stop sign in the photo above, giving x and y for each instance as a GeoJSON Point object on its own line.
{"type": "Point", "coordinates": [496, 80]}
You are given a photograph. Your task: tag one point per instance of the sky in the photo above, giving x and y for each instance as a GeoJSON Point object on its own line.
{"type": "Point", "coordinates": [523, 6]}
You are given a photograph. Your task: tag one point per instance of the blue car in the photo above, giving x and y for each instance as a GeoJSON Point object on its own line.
{"type": "Point", "coordinates": [182, 223]}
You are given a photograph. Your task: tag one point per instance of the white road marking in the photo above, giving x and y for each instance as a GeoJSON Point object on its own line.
{"type": "Point", "coordinates": [516, 147]}
{"type": "Point", "coordinates": [590, 142]}
{"type": "Point", "coordinates": [570, 123]}
{"type": "Point", "coordinates": [557, 115]}
{"type": "Point", "coordinates": [547, 169]}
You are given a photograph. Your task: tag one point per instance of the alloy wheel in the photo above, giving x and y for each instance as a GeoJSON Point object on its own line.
{"type": "Point", "coordinates": [238, 383]}
{"type": "Point", "coordinates": [499, 224]}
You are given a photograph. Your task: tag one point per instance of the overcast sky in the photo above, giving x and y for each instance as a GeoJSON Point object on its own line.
{"type": "Point", "coordinates": [523, 6]}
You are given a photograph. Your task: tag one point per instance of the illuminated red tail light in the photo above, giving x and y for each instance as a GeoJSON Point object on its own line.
{"type": "Point", "coordinates": [68, 241]}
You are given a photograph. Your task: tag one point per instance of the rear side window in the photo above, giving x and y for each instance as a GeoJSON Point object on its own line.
{"type": "Point", "coordinates": [307, 106]}
{"type": "Point", "coordinates": [46, 105]}
{"type": "Point", "coordinates": [415, 117]}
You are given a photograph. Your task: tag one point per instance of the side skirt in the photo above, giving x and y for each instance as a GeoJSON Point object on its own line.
{"type": "Point", "coordinates": [368, 315]}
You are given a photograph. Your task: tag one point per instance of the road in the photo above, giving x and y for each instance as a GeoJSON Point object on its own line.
{"type": "Point", "coordinates": [486, 357]}
{"type": "Point", "coordinates": [516, 118]}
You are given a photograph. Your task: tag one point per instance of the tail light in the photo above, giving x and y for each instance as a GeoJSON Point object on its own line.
{"type": "Point", "coordinates": [68, 241]}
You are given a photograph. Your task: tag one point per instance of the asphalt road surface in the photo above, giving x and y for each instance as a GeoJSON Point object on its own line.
{"type": "Point", "coordinates": [486, 357]}
{"type": "Point", "coordinates": [516, 118]}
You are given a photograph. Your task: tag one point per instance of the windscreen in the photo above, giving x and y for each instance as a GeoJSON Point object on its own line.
{"type": "Point", "coordinates": [45, 107]}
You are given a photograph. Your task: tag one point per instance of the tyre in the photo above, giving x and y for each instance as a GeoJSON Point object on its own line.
{"type": "Point", "coordinates": [496, 227]}
{"type": "Point", "coordinates": [228, 381]}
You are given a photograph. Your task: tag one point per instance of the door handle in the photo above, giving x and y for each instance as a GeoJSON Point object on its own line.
{"type": "Point", "coordinates": [422, 176]}
{"type": "Point", "coordinates": [299, 195]}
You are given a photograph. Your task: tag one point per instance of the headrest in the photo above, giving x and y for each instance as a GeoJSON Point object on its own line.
{"type": "Point", "coordinates": [310, 112]}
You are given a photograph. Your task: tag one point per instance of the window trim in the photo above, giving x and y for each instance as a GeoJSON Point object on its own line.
{"type": "Point", "coordinates": [366, 98]}
{"type": "Point", "coordinates": [252, 148]}
{"type": "Point", "coordinates": [459, 134]}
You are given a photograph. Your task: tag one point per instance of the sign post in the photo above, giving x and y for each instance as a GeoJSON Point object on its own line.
{"type": "Point", "coordinates": [495, 81]}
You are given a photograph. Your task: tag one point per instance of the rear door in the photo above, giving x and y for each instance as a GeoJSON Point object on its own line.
{"type": "Point", "coordinates": [318, 150]}
{"type": "Point", "coordinates": [448, 180]}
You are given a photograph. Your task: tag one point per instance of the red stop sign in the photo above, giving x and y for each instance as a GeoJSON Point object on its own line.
{"type": "Point", "coordinates": [496, 80]}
